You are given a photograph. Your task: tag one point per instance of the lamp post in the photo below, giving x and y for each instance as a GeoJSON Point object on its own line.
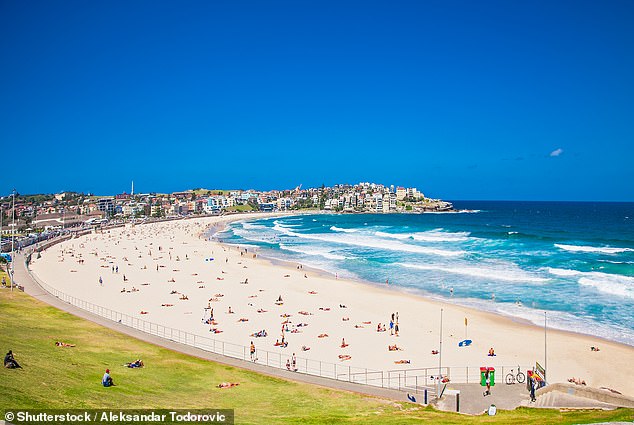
{"type": "Point", "coordinates": [545, 350]}
{"type": "Point", "coordinates": [12, 243]}
{"type": "Point", "coordinates": [440, 357]}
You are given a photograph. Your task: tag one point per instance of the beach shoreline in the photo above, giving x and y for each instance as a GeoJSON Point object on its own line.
{"type": "Point", "coordinates": [515, 341]}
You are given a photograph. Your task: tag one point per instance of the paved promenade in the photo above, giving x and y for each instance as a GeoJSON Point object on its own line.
{"type": "Point", "coordinates": [31, 287]}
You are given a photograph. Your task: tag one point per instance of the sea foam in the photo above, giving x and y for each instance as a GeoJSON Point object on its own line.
{"type": "Point", "coordinates": [599, 249]}
{"type": "Point", "coordinates": [607, 283]}
{"type": "Point", "coordinates": [369, 242]}
{"type": "Point", "coordinates": [507, 272]}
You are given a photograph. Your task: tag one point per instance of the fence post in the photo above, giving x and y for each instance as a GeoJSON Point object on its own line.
{"type": "Point", "coordinates": [458, 402]}
{"type": "Point", "coordinates": [349, 376]}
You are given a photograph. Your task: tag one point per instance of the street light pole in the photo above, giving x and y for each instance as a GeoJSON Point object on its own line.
{"type": "Point", "coordinates": [12, 243]}
{"type": "Point", "coordinates": [440, 357]}
{"type": "Point", "coordinates": [545, 350]}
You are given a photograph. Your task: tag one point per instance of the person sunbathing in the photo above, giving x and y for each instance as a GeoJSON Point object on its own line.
{"type": "Point", "coordinates": [324, 308]}
{"type": "Point", "coordinates": [215, 330]}
{"type": "Point", "coordinates": [594, 349]}
{"type": "Point", "coordinates": [261, 310]}
{"type": "Point", "coordinates": [393, 347]}
{"type": "Point", "coordinates": [358, 326]}
{"type": "Point", "coordinates": [312, 292]}
{"type": "Point", "coordinates": [173, 292]}
{"type": "Point", "coordinates": [434, 351]}
{"type": "Point", "coordinates": [135, 364]}
{"type": "Point", "coordinates": [322, 336]}
{"type": "Point", "coordinates": [305, 313]}
{"type": "Point", "coordinates": [304, 348]}
{"type": "Point", "coordinates": [167, 305]}
{"type": "Point", "coordinates": [184, 297]}
{"type": "Point", "coordinates": [228, 384]}
{"type": "Point", "coordinates": [63, 344]}
{"type": "Point", "coordinates": [220, 278]}
{"type": "Point", "coordinates": [367, 323]}
{"type": "Point", "coordinates": [172, 280]}
{"type": "Point", "coordinates": [295, 331]}
{"type": "Point", "coordinates": [143, 312]}
{"type": "Point", "coordinates": [218, 295]}
{"type": "Point", "coordinates": [343, 357]}
{"type": "Point", "coordinates": [345, 319]}
{"type": "Point", "coordinates": [402, 362]}
{"type": "Point", "coordinates": [243, 319]}
{"type": "Point", "coordinates": [299, 325]}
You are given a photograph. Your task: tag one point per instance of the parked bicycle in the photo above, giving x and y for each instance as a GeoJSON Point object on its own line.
{"type": "Point", "coordinates": [518, 377]}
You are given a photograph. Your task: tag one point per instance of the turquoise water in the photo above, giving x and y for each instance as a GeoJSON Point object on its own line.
{"type": "Point", "coordinates": [573, 260]}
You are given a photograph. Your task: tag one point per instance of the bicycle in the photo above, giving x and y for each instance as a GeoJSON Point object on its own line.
{"type": "Point", "coordinates": [518, 377]}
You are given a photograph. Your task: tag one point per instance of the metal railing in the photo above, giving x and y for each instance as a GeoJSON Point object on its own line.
{"type": "Point", "coordinates": [411, 380]}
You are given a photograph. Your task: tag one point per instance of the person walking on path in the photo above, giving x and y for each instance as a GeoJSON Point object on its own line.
{"type": "Point", "coordinates": [487, 381]}
{"type": "Point", "coordinates": [252, 350]}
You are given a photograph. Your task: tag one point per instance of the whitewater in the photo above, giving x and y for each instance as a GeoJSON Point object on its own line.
{"type": "Point", "coordinates": [574, 261]}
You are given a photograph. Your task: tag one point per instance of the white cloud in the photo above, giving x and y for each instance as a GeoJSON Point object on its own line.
{"type": "Point", "coordinates": [557, 152]}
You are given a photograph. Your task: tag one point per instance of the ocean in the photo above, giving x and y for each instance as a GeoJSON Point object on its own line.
{"type": "Point", "coordinates": [574, 261]}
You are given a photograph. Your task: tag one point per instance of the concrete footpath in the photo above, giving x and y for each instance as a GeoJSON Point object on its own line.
{"type": "Point", "coordinates": [32, 288]}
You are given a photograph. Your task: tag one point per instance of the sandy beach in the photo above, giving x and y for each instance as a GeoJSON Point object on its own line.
{"type": "Point", "coordinates": [169, 273]}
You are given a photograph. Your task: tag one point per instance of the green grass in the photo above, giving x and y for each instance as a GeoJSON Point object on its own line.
{"type": "Point", "coordinates": [54, 377]}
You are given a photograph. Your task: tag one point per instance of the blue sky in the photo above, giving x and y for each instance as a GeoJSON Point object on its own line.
{"type": "Point", "coordinates": [462, 99]}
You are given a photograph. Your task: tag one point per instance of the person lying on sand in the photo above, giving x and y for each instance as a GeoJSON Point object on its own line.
{"type": "Point", "coordinates": [63, 344]}
{"type": "Point", "coordinates": [594, 349]}
{"type": "Point", "coordinates": [343, 357]}
{"type": "Point", "coordinates": [380, 328]}
{"type": "Point", "coordinates": [324, 308]}
{"type": "Point", "coordinates": [305, 313]}
{"type": "Point", "coordinates": [167, 305]}
{"type": "Point", "coordinates": [261, 310]}
{"type": "Point", "coordinates": [215, 330]}
{"type": "Point", "coordinates": [304, 348]}
{"type": "Point", "coordinates": [285, 315]}
{"type": "Point", "coordinates": [243, 319]}
{"type": "Point", "coordinates": [218, 295]}
{"type": "Point", "coordinates": [358, 326]}
{"type": "Point", "coordinates": [143, 312]}
{"type": "Point", "coordinates": [402, 362]}
{"type": "Point", "coordinates": [228, 384]}
{"type": "Point", "coordinates": [394, 347]}
{"type": "Point", "coordinates": [322, 336]}
{"type": "Point", "coordinates": [434, 351]}
{"type": "Point", "coordinates": [312, 292]}
{"type": "Point", "coordinates": [173, 292]}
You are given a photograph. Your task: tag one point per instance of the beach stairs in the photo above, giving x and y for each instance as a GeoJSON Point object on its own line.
{"type": "Point", "coordinates": [571, 396]}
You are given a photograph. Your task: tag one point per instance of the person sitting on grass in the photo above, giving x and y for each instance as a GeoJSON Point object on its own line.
{"type": "Point", "coordinates": [10, 362]}
{"type": "Point", "coordinates": [63, 344]}
{"type": "Point", "coordinates": [106, 381]}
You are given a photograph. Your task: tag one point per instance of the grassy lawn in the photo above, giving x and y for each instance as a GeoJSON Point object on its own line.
{"type": "Point", "coordinates": [54, 377]}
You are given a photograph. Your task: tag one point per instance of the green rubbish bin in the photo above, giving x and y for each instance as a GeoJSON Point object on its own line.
{"type": "Point", "coordinates": [483, 380]}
